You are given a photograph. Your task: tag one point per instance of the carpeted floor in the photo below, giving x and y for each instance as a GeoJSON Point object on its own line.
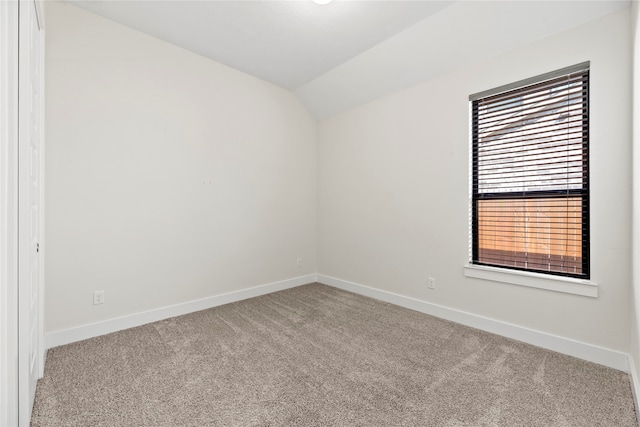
{"type": "Point", "coordinates": [318, 356]}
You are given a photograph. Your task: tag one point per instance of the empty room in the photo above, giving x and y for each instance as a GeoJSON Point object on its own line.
{"type": "Point", "coordinates": [319, 213]}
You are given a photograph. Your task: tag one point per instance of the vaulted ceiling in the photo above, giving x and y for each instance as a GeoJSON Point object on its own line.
{"type": "Point", "coordinates": [339, 55]}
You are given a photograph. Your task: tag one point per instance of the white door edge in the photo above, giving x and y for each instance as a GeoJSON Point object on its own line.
{"type": "Point", "coordinates": [30, 141]}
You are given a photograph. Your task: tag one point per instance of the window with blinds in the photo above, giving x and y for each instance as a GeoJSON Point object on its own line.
{"type": "Point", "coordinates": [530, 174]}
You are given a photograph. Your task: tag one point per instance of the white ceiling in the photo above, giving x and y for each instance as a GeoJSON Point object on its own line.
{"type": "Point", "coordinates": [348, 52]}
{"type": "Point", "coordinates": [288, 43]}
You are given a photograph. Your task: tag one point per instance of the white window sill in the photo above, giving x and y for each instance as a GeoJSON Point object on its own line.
{"type": "Point", "coordinates": [534, 280]}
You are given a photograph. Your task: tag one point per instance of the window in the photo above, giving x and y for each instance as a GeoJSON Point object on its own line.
{"type": "Point", "coordinates": [530, 175]}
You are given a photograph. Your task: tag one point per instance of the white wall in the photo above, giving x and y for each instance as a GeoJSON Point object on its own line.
{"type": "Point", "coordinates": [394, 184]}
{"type": "Point", "coordinates": [170, 177]}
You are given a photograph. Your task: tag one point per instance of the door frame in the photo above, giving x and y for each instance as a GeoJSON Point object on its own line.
{"type": "Point", "coordinates": [8, 213]}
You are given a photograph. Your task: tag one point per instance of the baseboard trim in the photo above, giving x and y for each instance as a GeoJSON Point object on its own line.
{"type": "Point", "coordinates": [603, 356]}
{"type": "Point", "coordinates": [611, 358]}
{"type": "Point", "coordinates": [79, 333]}
{"type": "Point", "coordinates": [635, 384]}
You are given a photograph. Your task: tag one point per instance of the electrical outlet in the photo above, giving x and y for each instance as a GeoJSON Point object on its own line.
{"type": "Point", "coordinates": [98, 297]}
{"type": "Point", "coordinates": [299, 262]}
{"type": "Point", "coordinates": [431, 283]}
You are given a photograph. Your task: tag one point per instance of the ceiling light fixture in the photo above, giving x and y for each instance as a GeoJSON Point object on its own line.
{"type": "Point", "coordinates": [321, 1]}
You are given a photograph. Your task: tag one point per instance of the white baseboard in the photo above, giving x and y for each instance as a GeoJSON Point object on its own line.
{"type": "Point", "coordinates": [635, 385]}
{"type": "Point", "coordinates": [592, 353]}
{"type": "Point", "coordinates": [603, 356]}
{"type": "Point", "coordinates": [79, 333]}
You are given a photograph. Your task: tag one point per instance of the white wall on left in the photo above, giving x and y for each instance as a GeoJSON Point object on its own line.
{"type": "Point", "coordinates": [170, 177]}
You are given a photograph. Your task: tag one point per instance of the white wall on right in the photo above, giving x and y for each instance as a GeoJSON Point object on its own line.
{"type": "Point", "coordinates": [393, 190]}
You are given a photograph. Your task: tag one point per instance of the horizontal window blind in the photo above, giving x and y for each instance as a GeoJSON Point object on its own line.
{"type": "Point", "coordinates": [530, 176]}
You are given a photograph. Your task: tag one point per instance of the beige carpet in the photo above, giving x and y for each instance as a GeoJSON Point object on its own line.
{"type": "Point", "coordinates": [319, 356]}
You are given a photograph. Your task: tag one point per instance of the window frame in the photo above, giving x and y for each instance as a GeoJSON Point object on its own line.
{"type": "Point", "coordinates": [491, 271]}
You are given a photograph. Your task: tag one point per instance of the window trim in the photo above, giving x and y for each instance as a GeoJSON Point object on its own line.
{"type": "Point", "coordinates": [569, 285]}
{"type": "Point", "coordinates": [583, 66]}
{"type": "Point", "coordinates": [552, 280]}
